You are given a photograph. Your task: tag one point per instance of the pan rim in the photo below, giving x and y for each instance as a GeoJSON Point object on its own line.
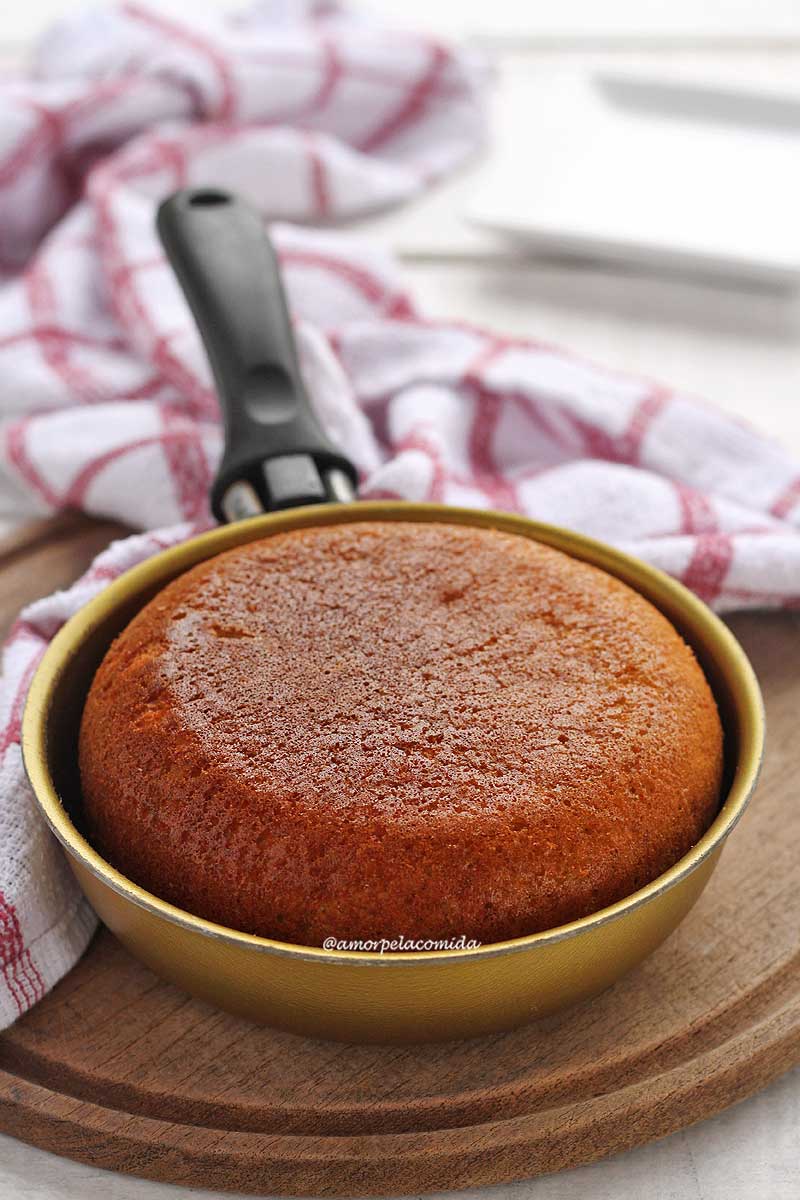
{"type": "Point", "coordinates": [717, 641]}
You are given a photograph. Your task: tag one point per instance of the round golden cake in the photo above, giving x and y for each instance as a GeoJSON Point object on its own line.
{"type": "Point", "coordinates": [397, 730]}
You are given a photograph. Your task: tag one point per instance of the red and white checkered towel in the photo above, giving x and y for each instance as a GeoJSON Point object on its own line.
{"type": "Point", "coordinates": [312, 114]}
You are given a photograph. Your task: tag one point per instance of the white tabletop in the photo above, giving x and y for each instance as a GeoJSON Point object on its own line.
{"type": "Point", "coordinates": [736, 346]}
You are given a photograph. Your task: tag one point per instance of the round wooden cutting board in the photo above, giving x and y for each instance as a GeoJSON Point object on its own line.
{"type": "Point", "coordinates": [120, 1070]}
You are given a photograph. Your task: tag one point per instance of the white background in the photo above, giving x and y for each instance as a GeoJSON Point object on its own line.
{"type": "Point", "coordinates": [531, 20]}
{"type": "Point", "coordinates": [738, 347]}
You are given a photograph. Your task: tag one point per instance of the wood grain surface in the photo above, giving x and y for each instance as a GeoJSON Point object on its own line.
{"type": "Point", "coordinates": [120, 1070]}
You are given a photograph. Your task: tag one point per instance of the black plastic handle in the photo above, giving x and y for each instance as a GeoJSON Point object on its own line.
{"type": "Point", "coordinates": [276, 454]}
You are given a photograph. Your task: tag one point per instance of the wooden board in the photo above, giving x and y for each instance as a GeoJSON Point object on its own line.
{"type": "Point", "coordinates": [117, 1069]}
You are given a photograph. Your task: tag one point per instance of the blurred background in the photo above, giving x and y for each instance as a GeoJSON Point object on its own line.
{"type": "Point", "coordinates": [637, 201]}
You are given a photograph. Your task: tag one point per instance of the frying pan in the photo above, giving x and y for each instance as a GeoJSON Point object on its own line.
{"type": "Point", "coordinates": [279, 472]}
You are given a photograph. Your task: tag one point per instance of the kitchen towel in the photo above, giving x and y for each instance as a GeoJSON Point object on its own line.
{"type": "Point", "coordinates": [314, 114]}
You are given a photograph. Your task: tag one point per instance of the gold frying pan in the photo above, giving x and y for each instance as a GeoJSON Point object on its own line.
{"type": "Point", "coordinates": [277, 458]}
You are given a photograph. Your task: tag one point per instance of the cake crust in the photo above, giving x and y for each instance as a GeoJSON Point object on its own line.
{"type": "Point", "coordinates": [397, 729]}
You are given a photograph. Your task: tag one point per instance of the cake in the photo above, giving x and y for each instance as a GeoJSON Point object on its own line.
{"type": "Point", "coordinates": [391, 730]}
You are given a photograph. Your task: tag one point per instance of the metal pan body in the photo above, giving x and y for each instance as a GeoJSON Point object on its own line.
{"type": "Point", "coordinates": [433, 995]}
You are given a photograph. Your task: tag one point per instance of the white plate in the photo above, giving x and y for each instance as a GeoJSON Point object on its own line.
{"type": "Point", "coordinates": [652, 172]}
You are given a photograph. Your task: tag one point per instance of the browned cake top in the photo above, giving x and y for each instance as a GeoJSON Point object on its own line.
{"type": "Point", "coordinates": [376, 729]}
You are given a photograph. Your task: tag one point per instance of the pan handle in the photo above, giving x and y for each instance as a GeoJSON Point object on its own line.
{"type": "Point", "coordinates": [276, 454]}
